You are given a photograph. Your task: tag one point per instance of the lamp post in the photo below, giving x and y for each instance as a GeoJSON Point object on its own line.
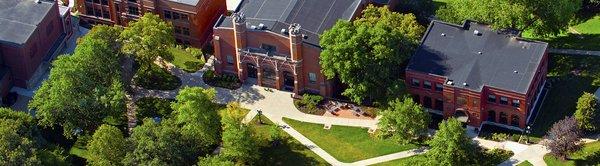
{"type": "Point", "coordinates": [259, 111]}
{"type": "Point", "coordinates": [527, 131]}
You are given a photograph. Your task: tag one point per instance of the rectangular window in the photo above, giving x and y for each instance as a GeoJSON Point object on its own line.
{"type": "Point", "coordinates": [312, 78]}
{"type": "Point", "coordinates": [268, 48]}
{"type": "Point", "coordinates": [105, 14]}
{"type": "Point", "coordinates": [229, 59]}
{"type": "Point", "coordinates": [504, 100]}
{"type": "Point", "coordinates": [132, 1]}
{"type": "Point", "coordinates": [177, 29]}
{"type": "Point", "coordinates": [97, 13]}
{"type": "Point", "coordinates": [104, 2]}
{"type": "Point", "coordinates": [491, 98]}
{"type": "Point", "coordinates": [167, 14]}
{"type": "Point", "coordinates": [426, 84]}
{"type": "Point", "coordinates": [439, 87]}
{"type": "Point", "coordinates": [416, 83]}
{"type": "Point", "coordinates": [175, 16]}
{"type": "Point", "coordinates": [185, 31]}
{"type": "Point", "coordinates": [97, 1]}
{"type": "Point", "coordinates": [89, 11]}
{"type": "Point", "coordinates": [186, 42]}
{"type": "Point", "coordinates": [184, 17]}
{"type": "Point", "coordinates": [516, 103]}
{"type": "Point", "coordinates": [133, 10]}
{"type": "Point", "coordinates": [117, 7]}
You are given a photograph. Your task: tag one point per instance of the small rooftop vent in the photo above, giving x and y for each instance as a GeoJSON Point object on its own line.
{"type": "Point", "coordinates": [304, 37]}
{"type": "Point", "coordinates": [443, 34]}
{"type": "Point", "coordinates": [476, 33]}
{"type": "Point", "coordinates": [515, 71]}
{"type": "Point", "coordinates": [261, 26]}
{"type": "Point", "coordinates": [450, 82]}
{"type": "Point", "coordinates": [38, 1]}
{"type": "Point", "coordinates": [479, 52]}
{"type": "Point", "coordinates": [253, 27]}
{"type": "Point", "coordinates": [465, 84]}
{"type": "Point", "coordinates": [284, 31]}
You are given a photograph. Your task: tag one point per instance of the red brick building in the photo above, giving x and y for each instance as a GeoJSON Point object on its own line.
{"type": "Point", "coordinates": [477, 73]}
{"type": "Point", "coordinates": [275, 43]}
{"type": "Point", "coordinates": [31, 33]}
{"type": "Point", "coordinates": [192, 19]}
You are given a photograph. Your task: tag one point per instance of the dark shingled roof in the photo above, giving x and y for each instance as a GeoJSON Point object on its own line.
{"type": "Point", "coordinates": [187, 2]}
{"type": "Point", "coordinates": [314, 16]}
{"type": "Point", "coordinates": [491, 58]}
{"type": "Point", "coordinates": [19, 19]}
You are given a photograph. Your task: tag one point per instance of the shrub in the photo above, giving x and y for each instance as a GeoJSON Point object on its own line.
{"type": "Point", "coordinates": [224, 81]}
{"type": "Point", "coordinates": [495, 156]}
{"type": "Point", "coordinates": [311, 101]}
{"type": "Point", "coordinates": [153, 107]}
{"type": "Point", "coordinates": [500, 136]}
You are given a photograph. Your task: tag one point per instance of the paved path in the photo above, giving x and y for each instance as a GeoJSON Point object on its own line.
{"type": "Point", "coordinates": [574, 52]}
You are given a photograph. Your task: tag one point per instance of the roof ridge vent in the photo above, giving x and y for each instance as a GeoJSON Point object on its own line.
{"type": "Point", "coordinates": [261, 26]}
{"type": "Point", "coordinates": [476, 33]}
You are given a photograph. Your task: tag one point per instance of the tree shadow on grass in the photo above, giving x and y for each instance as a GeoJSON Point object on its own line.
{"type": "Point", "coordinates": [591, 159]}
{"type": "Point", "coordinates": [574, 41]}
{"type": "Point", "coordinates": [286, 154]}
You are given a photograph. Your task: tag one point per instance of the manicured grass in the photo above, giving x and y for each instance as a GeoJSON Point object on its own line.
{"type": "Point", "coordinates": [288, 152]}
{"type": "Point", "coordinates": [156, 78]}
{"type": "Point", "coordinates": [150, 107]}
{"type": "Point", "coordinates": [591, 26]}
{"type": "Point", "coordinates": [185, 60]}
{"type": "Point", "coordinates": [525, 163]}
{"type": "Point", "coordinates": [347, 144]}
{"type": "Point", "coordinates": [79, 152]}
{"type": "Point", "coordinates": [588, 155]}
{"type": "Point", "coordinates": [413, 160]}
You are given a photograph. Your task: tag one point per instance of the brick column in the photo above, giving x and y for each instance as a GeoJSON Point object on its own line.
{"type": "Point", "coordinates": [278, 79]}
{"type": "Point", "coordinates": [242, 73]}
{"type": "Point", "coordinates": [217, 53]}
{"type": "Point", "coordinates": [259, 75]}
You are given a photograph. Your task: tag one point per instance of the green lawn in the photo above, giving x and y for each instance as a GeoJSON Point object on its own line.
{"type": "Point", "coordinates": [79, 152]}
{"type": "Point", "coordinates": [525, 163]}
{"type": "Point", "coordinates": [347, 144]}
{"type": "Point", "coordinates": [185, 60]}
{"type": "Point", "coordinates": [413, 160]}
{"type": "Point", "coordinates": [289, 152]}
{"type": "Point", "coordinates": [156, 78]}
{"type": "Point", "coordinates": [591, 26]}
{"type": "Point", "coordinates": [588, 155]}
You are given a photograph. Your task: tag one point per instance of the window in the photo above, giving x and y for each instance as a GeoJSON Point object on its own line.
{"type": "Point", "coordinates": [184, 17]}
{"type": "Point", "coordinates": [105, 14]}
{"type": "Point", "coordinates": [97, 1]}
{"type": "Point", "coordinates": [50, 28]}
{"type": "Point", "coordinates": [175, 16]}
{"type": "Point", "coordinates": [186, 31]}
{"type": "Point", "coordinates": [132, 1]}
{"type": "Point", "coordinates": [97, 13]}
{"type": "Point", "coordinates": [439, 87]}
{"type": "Point", "coordinates": [426, 84]}
{"type": "Point", "coordinates": [117, 7]}
{"type": "Point", "coordinates": [503, 118]}
{"type": "Point", "coordinates": [514, 120]}
{"type": "Point", "coordinates": [268, 48]}
{"type": "Point", "coordinates": [229, 59]}
{"type": "Point", "coordinates": [133, 10]}
{"type": "Point", "coordinates": [491, 98]}
{"type": "Point", "coordinates": [104, 2]}
{"type": "Point", "coordinates": [516, 103]}
{"type": "Point", "coordinates": [312, 78]}
{"type": "Point", "coordinates": [88, 0]}
{"type": "Point", "coordinates": [167, 14]}
{"type": "Point", "coordinates": [504, 100]}
{"type": "Point", "coordinates": [89, 10]}
{"type": "Point", "coordinates": [416, 83]}
{"type": "Point", "coordinates": [177, 29]}
{"type": "Point", "coordinates": [417, 99]}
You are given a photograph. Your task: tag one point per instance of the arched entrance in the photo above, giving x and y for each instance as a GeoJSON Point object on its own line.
{"type": "Point", "coordinates": [427, 102]}
{"type": "Point", "coordinates": [514, 120]}
{"type": "Point", "coordinates": [461, 115]}
{"type": "Point", "coordinates": [268, 77]}
{"type": "Point", "coordinates": [503, 118]}
{"type": "Point", "coordinates": [491, 116]}
{"type": "Point", "coordinates": [288, 81]}
{"type": "Point", "coordinates": [252, 72]}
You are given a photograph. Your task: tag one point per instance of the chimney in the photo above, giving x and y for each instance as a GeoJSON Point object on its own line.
{"type": "Point", "coordinates": [295, 41]}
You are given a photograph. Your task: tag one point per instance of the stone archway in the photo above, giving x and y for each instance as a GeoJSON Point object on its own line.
{"type": "Point", "coordinates": [491, 116]}
{"type": "Point", "coordinates": [461, 115]}
{"type": "Point", "coordinates": [252, 71]}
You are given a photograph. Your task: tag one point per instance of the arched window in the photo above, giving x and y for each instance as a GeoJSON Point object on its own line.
{"type": "Point", "coordinates": [503, 118]}
{"type": "Point", "coordinates": [491, 116]}
{"type": "Point", "coordinates": [514, 120]}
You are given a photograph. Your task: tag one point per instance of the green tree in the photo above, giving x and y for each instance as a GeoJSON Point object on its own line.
{"type": "Point", "coordinates": [215, 161]}
{"type": "Point", "coordinates": [374, 45]}
{"type": "Point", "coordinates": [542, 17]}
{"type": "Point", "coordinates": [197, 113]}
{"type": "Point", "coordinates": [107, 147]}
{"type": "Point", "coordinates": [82, 90]}
{"type": "Point", "coordinates": [451, 146]}
{"type": "Point", "coordinates": [238, 143]}
{"type": "Point", "coordinates": [106, 33]}
{"type": "Point", "coordinates": [403, 121]}
{"type": "Point", "coordinates": [159, 144]}
{"type": "Point", "coordinates": [148, 38]}
{"type": "Point", "coordinates": [585, 114]}
{"type": "Point", "coordinates": [16, 147]}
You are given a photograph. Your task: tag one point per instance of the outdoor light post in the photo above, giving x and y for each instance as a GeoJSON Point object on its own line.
{"type": "Point", "coordinates": [259, 111]}
{"type": "Point", "coordinates": [527, 131]}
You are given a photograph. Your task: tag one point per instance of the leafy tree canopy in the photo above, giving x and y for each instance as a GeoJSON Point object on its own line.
{"type": "Point", "coordinates": [403, 121]}
{"type": "Point", "coordinates": [542, 17]}
{"type": "Point", "coordinates": [564, 138]}
{"type": "Point", "coordinates": [197, 113]}
{"type": "Point", "coordinates": [215, 161]}
{"type": "Point", "coordinates": [451, 146]}
{"type": "Point", "coordinates": [238, 143]}
{"type": "Point", "coordinates": [16, 146]}
{"type": "Point", "coordinates": [107, 147]}
{"type": "Point", "coordinates": [586, 115]}
{"type": "Point", "coordinates": [374, 45]}
{"type": "Point", "coordinates": [148, 38]}
{"type": "Point", "coordinates": [82, 89]}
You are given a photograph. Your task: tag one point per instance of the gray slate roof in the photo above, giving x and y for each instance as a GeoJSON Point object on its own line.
{"type": "Point", "coordinates": [19, 19]}
{"type": "Point", "coordinates": [314, 16]}
{"type": "Point", "coordinates": [506, 62]}
{"type": "Point", "coordinates": [187, 2]}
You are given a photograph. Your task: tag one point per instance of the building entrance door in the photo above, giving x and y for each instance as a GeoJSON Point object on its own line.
{"type": "Point", "coordinates": [252, 72]}
{"type": "Point", "coordinates": [288, 81]}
